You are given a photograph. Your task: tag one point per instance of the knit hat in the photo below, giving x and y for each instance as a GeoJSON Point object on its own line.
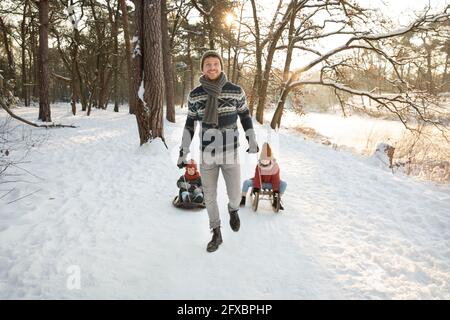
{"type": "Point", "coordinates": [211, 53]}
{"type": "Point", "coordinates": [191, 164]}
{"type": "Point", "coordinates": [266, 152]}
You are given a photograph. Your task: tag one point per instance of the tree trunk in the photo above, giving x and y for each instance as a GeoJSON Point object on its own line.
{"type": "Point", "coordinates": [23, 34]}
{"type": "Point", "coordinates": [34, 59]}
{"type": "Point", "coordinates": [9, 53]}
{"type": "Point", "coordinates": [430, 82]}
{"type": "Point", "coordinates": [444, 84]}
{"type": "Point", "coordinates": [80, 87]}
{"type": "Point", "coordinates": [191, 63]}
{"type": "Point", "coordinates": [74, 85]}
{"type": "Point", "coordinates": [115, 32]}
{"type": "Point", "coordinates": [262, 91]}
{"type": "Point", "coordinates": [75, 81]}
{"type": "Point", "coordinates": [153, 66]}
{"type": "Point", "coordinates": [44, 106]}
{"type": "Point", "coordinates": [258, 54]}
{"type": "Point", "coordinates": [168, 68]}
{"type": "Point", "coordinates": [183, 92]}
{"type": "Point", "coordinates": [126, 32]}
{"type": "Point", "coordinates": [147, 68]}
{"type": "Point", "coordinates": [101, 93]}
{"type": "Point", "coordinates": [211, 33]}
{"type": "Point", "coordinates": [138, 70]}
{"type": "Point", "coordinates": [276, 119]}
{"type": "Point", "coordinates": [237, 49]}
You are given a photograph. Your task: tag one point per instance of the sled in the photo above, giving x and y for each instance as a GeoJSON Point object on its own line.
{"type": "Point", "coordinates": [187, 205]}
{"type": "Point", "coordinates": [264, 194]}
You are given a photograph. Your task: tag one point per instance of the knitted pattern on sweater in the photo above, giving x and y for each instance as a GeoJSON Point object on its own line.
{"type": "Point", "coordinates": [231, 105]}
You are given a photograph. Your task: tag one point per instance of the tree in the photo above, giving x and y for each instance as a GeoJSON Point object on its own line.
{"type": "Point", "coordinates": [147, 69]}
{"type": "Point", "coordinates": [405, 100]}
{"type": "Point", "coordinates": [44, 105]}
{"type": "Point", "coordinates": [9, 52]}
{"type": "Point", "coordinates": [23, 33]}
{"type": "Point", "coordinates": [126, 35]}
{"type": "Point", "coordinates": [113, 14]}
{"type": "Point", "coordinates": [168, 68]}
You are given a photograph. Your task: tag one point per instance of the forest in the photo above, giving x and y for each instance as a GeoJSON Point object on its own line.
{"type": "Point", "coordinates": [290, 55]}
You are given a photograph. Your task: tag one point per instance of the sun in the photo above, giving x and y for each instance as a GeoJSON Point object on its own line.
{"type": "Point", "coordinates": [229, 19]}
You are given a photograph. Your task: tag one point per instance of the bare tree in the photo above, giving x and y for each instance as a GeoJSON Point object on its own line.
{"type": "Point", "coordinates": [147, 68]}
{"type": "Point", "coordinates": [23, 33]}
{"type": "Point", "coordinates": [168, 68]}
{"type": "Point", "coordinates": [126, 35]}
{"type": "Point", "coordinates": [207, 16]}
{"type": "Point", "coordinates": [44, 105]}
{"type": "Point", "coordinates": [113, 14]}
{"type": "Point", "coordinates": [402, 104]}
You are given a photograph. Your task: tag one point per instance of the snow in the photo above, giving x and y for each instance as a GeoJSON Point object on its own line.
{"type": "Point", "coordinates": [102, 225]}
{"type": "Point", "coordinates": [357, 133]}
{"type": "Point", "coordinates": [72, 17]}
{"type": "Point", "coordinates": [141, 89]}
{"type": "Point", "coordinates": [141, 92]}
{"type": "Point", "coordinates": [137, 47]}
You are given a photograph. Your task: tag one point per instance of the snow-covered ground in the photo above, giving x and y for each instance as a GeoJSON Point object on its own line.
{"type": "Point", "coordinates": [355, 132]}
{"type": "Point", "coordinates": [102, 211]}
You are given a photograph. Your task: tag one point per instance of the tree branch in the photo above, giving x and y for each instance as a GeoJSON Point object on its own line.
{"type": "Point", "coordinates": [5, 107]}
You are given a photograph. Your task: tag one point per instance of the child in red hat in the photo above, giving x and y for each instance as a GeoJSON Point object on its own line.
{"type": "Point", "coordinates": [190, 184]}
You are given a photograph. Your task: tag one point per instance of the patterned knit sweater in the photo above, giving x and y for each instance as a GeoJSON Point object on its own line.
{"type": "Point", "coordinates": [232, 103]}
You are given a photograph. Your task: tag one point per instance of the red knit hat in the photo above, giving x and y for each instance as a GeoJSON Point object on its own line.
{"type": "Point", "coordinates": [191, 164]}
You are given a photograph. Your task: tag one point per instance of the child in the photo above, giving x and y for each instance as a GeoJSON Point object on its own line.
{"type": "Point", "coordinates": [190, 184]}
{"type": "Point", "coordinates": [267, 174]}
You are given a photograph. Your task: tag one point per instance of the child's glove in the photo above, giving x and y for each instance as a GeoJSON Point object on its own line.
{"type": "Point", "coordinates": [187, 186]}
{"type": "Point", "coordinates": [191, 188]}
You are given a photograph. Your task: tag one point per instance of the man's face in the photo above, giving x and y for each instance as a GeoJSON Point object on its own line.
{"type": "Point", "coordinates": [212, 68]}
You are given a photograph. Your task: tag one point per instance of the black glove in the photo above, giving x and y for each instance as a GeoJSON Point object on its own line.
{"type": "Point", "coordinates": [191, 188]}
{"type": "Point", "coordinates": [181, 163]}
{"type": "Point", "coordinates": [255, 190]}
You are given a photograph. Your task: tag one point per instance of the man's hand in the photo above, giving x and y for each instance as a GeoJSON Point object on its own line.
{"type": "Point", "coordinates": [181, 163]}
{"type": "Point", "coordinates": [253, 149]}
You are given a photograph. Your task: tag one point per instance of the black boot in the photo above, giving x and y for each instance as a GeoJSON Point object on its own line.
{"type": "Point", "coordinates": [235, 223]}
{"type": "Point", "coordinates": [216, 240]}
{"type": "Point", "coordinates": [198, 199]}
{"type": "Point", "coordinates": [276, 200]}
{"type": "Point", "coordinates": [242, 204]}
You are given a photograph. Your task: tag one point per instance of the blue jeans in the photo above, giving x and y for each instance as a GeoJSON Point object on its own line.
{"type": "Point", "coordinates": [187, 196]}
{"type": "Point", "coordinates": [266, 185]}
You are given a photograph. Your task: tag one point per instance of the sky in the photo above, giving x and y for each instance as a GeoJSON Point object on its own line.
{"type": "Point", "coordinates": [400, 12]}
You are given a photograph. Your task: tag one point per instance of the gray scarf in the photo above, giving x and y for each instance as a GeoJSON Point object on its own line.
{"type": "Point", "coordinates": [213, 89]}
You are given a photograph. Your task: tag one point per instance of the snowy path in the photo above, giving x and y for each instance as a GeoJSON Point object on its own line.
{"type": "Point", "coordinates": [349, 229]}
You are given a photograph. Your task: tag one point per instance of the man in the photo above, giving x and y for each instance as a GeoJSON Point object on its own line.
{"type": "Point", "coordinates": [216, 104]}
